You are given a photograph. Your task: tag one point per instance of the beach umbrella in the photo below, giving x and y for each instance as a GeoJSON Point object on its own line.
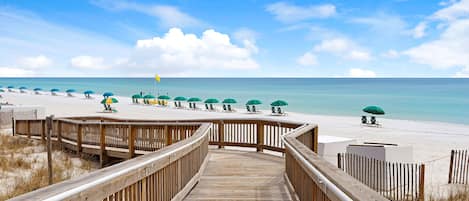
{"type": "Point", "coordinates": [149, 96]}
{"type": "Point", "coordinates": [229, 101]}
{"type": "Point", "coordinates": [107, 94]}
{"type": "Point", "coordinates": [194, 99]}
{"type": "Point", "coordinates": [54, 90]}
{"type": "Point", "coordinates": [109, 101]}
{"type": "Point", "coordinates": [23, 88]}
{"type": "Point", "coordinates": [211, 100]}
{"type": "Point", "coordinates": [11, 87]}
{"type": "Point", "coordinates": [180, 98]}
{"type": "Point", "coordinates": [1, 90]}
{"type": "Point", "coordinates": [253, 102]}
{"type": "Point", "coordinates": [137, 96]}
{"type": "Point", "coordinates": [70, 91]}
{"type": "Point", "coordinates": [164, 97]}
{"type": "Point", "coordinates": [279, 103]}
{"type": "Point", "coordinates": [373, 110]}
{"type": "Point", "coordinates": [88, 92]}
{"type": "Point", "coordinates": [37, 89]}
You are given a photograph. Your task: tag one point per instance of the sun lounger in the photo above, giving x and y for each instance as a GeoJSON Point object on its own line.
{"type": "Point", "coordinates": [373, 120]}
{"type": "Point", "coordinates": [206, 106]}
{"type": "Point", "coordinates": [364, 120]}
{"type": "Point", "coordinates": [273, 110]}
{"type": "Point", "coordinates": [229, 108]}
{"type": "Point", "coordinates": [248, 108]}
{"type": "Point", "coordinates": [254, 108]}
{"type": "Point", "coordinates": [224, 107]}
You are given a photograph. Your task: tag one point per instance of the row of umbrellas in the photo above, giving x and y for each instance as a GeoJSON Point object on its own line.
{"type": "Point", "coordinates": [276, 103]}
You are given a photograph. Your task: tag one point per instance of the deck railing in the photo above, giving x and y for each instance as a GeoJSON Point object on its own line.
{"type": "Point", "coordinates": [310, 177]}
{"type": "Point", "coordinates": [165, 174]}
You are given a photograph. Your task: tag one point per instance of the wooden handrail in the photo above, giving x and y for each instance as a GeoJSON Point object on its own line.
{"type": "Point", "coordinates": [121, 180]}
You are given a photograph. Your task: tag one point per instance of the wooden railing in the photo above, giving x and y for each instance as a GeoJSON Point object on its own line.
{"type": "Point", "coordinates": [396, 181]}
{"type": "Point", "coordinates": [313, 178]}
{"type": "Point", "coordinates": [459, 167]}
{"type": "Point", "coordinates": [309, 176]}
{"type": "Point", "coordinates": [165, 174]}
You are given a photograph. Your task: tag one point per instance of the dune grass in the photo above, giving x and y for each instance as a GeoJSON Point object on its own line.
{"type": "Point", "coordinates": [23, 166]}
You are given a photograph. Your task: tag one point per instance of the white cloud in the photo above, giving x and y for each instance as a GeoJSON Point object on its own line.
{"type": "Point", "coordinates": [40, 61]}
{"type": "Point", "coordinates": [454, 11]}
{"type": "Point", "coordinates": [391, 54]}
{"type": "Point", "coordinates": [168, 16]}
{"type": "Point", "coordinates": [357, 72]}
{"type": "Point", "coordinates": [288, 13]}
{"type": "Point", "coordinates": [88, 62]}
{"type": "Point", "coordinates": [344, 48]}
{"type": "Point", "coordinates": [383, 23]}
{"type": "Point", "coordinates": [307, 59]}
{"type": "Point", "coordinates": [248, 37]}
{"type": "Point", "coordinates": [14, 72]}
{"type": "Point", "coordinates": [419, 30]}
{"type": "Point", "coordinates": [450, 50]}
{"type": "Point", "coordinates": [177, 52]}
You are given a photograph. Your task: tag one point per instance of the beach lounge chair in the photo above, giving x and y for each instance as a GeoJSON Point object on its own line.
{"type": "Point", "coordinates": [273, 110]}
{"type": "Point", "coordinates": [373, 120]}
{"type": "Point", "coordinates": [248, 108]}
{"type": "Point", "coordinates": [229, 108]}
{"type": "Point", "coordinates": [279, 110]}
{"type": "Point", "coordinates": [175, 104]}
{"type": "Point", "coordinates": [179, 103]}
{"type": "Point", "coordinates": [224, 107]}
{"type": "Point", "coordinates": [254, 108]}
{"type": "Point", "coordinates": [364, 120]}
{"type": "Point", "coordinates": [211, 107]}
{"type": "Point", "coordinates": [206, 106]}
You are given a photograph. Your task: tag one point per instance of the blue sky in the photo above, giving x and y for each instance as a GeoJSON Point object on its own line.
{"type": "Point", "coordinates": [396, 38]}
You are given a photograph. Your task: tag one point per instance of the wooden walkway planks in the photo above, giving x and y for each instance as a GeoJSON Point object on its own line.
{"type": "Point", "coordinates": [238, 175]}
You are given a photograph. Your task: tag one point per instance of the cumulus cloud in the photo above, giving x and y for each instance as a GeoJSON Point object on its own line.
{"type": "Point", "coordinates": [14, 72]}
{"type": "Point", "coordinates": [88, 62]}
{"type": "Point", "coordinates": [177, 51]}
{"type": "Point", "coordinates": [357, 72]}
{"type": "Point", "coordinates": [168, 16]}
{"type": "Point", "coordinates": [307, 59]}
{"type": "Point", "coordinates": [35, 62]}
{"type": "Point", "coordinates": [455, 10]}
{"type": "Point", "coordinates": [344, 48]}
{"type": "Point", "coordinates": [289, 13]}
{"type": "Point", "coordinates": [419, 30]}
{"type": "Point", "coordinates": [248, 37]}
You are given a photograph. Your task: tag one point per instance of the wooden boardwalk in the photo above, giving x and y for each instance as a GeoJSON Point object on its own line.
{"type": "Point", "coordinates": [238, 175]}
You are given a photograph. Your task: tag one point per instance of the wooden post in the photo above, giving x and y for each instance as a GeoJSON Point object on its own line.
{"type": "Point", "coordinates": [315, 140]}
{"type": "Point", "coordinates": [102, 143]}
{"type": "Point", "coordinates": [221, 135]}
{"type": "Point", "coordinates": [43, 130]}
{"type": "Point", "coordinates": [59, 133]}
{"type": "Point", "coordinates": [131, 141]}
{"type": "Point", "coordinates": [79, 139]}
{"type": "Point", "coordinates": [422, 183]}
{"type": "Point", "coordinates": [13, 125]}
{"type": "Point", "coordinates": [260, 137]}
{"type": "Point", "coordinates": [49, 121]}
{"type": "Point", "coordinates": [169, 136]}
{"type": "Point", "coordinates": [28, 128]}
{"type": "Point", "coordinates": [450, 176]}
{"type": "Point", "coordinates": [339, 161]}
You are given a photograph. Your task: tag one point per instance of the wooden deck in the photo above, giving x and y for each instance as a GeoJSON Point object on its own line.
{"type": "Point", "coordinates": [238, 175]}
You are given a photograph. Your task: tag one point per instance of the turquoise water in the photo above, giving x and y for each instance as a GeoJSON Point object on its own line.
{"type": "Point", "coordinates": [435, 99]}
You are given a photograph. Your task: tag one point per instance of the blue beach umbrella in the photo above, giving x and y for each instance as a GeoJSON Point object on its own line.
{"type": "Point", "coordinates": [70, 90]}
{"type": "Point", "coordinates": [37, 89]}
{"type": "Point", "coordinates": [54, 90]}
{"type": "Point", "coordinates": [87, 92]}
{"type": "Point", "coordinates": [23, 88]}
{"type": "Point", "coordinates": [11, 87]}
{"type": "Point", "coordinates": [108, 94]}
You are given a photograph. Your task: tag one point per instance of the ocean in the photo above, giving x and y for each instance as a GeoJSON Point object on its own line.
{"type": "Point", "coordinates": [432, 99]}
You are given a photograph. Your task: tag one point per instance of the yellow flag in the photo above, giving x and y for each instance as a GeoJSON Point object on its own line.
{"type": "Point", "coordinates": [157, 78]}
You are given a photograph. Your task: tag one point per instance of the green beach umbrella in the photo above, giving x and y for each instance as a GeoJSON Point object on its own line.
{"type": "Point", "coordinates": [253, 102]}
{"type": "Point", "coordinates": [279, 103]}
{"type": "Point", "coordinates": [11, 87]}
{"type": "Point", "coordinates": [1, 90]}
{"type": "Point", "coordinates": [229, 101]}
{"type": "Point", "coordinates": [37, 89]}
{"type": "Point", "coordinates": [149, 96]}
{"type": "Point", "coordinates": [373, 110]}
{"type": "Point", "coordinates": [194, 99]}
{"type": "Point", "coordinates": [164, 97]}
{"type": "Point", "coordinates": [109, 101]}
{"type": "Point", "coordinates": [23, 88]}
{"type": "Point", "coordinates": [211, 100]}
{"type": "Point", "coordinates": [70, 90]}
{"type": "Point", "coordinates": [137, 96]}
{"type": "Point", "coordinates": [180, 98]}
{"type": "Point", "coordinates": [54, 90]}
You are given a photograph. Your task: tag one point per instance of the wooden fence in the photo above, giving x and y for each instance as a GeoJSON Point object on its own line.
{"type": "Point", "coordinates": [396, 181]}
{"type": "Point", "coordinates": [459, 167]}
{"type": "Point", "coordinates": [313, 178]}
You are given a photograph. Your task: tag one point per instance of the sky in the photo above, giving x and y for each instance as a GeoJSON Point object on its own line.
{"type": "Point", "coordinates": [232, 38]}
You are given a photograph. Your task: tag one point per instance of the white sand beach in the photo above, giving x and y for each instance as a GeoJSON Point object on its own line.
{"type": "Point", "coordinates": [431, 141]}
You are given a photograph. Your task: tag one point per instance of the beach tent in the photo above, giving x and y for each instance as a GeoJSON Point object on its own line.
{"type": "Point", "coordinates": [135, 98]}
{"type": "Point", "coordinates": [252, 104]}
{"type": "Point", "coordinates": [177, 101]}
{"type": "Point", "coordinates": [54, 91]}
{"type": "Point", "coordinates": [107, 94]}
{"type": "Point", "coordinates": [146, 98]}
{"type": "Point", "coordinates": [88, 93]}
{"type": "Point", "coordinates": [70, 91]}
{"type": "Point", "coordinates": [209, 103]}
{"type": "Point", "coordinates": [227, 103]}
{"type": "Point", "coordinates": [277, 104]}
{"type": "Point", "coordinates": [192, 101]}
{"type": "Point", "coordinates": [23, 89]}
